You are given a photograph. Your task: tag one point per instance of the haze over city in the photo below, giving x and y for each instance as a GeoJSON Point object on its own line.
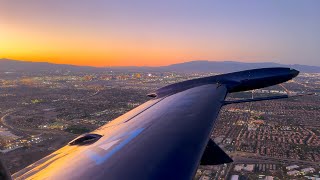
{"type": "Point", "coordinates": [153, 33]}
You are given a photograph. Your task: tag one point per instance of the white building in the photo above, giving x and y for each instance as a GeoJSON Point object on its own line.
{"type": "Point", "coordinates": [204, 178]}
{"type": "Point", "coordinates": [292, 167]}
{"type": "Point", "coordinates": [238, 167]}
{"type": "Point", "coordinates": [307, 170]}
{"type": "Point", "coordinates": [234, 177]}
{"type": "Point", "coordinates": [269, 178]}
{"type": "Point", "coordinates": [249, 167]}
{"type": "Point", "coordinates": [293, 173]}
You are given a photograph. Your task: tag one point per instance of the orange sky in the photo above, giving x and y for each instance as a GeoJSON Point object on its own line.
{"type": "Point", "coordinates": [148, 33]}
{"type": "Point", "coordinates": [70, 46]}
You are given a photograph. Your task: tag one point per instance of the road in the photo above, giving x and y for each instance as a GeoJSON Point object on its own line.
{"type": "Point", "coordinates": [5, 124]}
{"type": "Point", "coordinates": [23, 132]}
{"type": "Point", "coordinates": [243, 157]}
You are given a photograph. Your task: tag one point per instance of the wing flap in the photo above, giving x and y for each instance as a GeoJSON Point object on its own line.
{"type": "Point", "coordinates": [214, 155]}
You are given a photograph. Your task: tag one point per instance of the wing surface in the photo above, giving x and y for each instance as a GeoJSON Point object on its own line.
{"type": "Point", "coordinates": [164, 141]}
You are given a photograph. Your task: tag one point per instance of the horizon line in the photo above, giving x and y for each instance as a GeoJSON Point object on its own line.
{"type": "Point", "coordinates": [78, 65]}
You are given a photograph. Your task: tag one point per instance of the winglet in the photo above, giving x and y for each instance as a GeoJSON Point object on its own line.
{"type": "Point", "coordinates": [234, 82]}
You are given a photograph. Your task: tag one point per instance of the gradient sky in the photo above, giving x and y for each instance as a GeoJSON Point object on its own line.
{"type": "Point", "coordinates": [160, 32]}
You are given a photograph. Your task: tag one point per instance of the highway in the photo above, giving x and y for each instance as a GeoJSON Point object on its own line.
{"type": "Point", "coordinates": [243, 157]}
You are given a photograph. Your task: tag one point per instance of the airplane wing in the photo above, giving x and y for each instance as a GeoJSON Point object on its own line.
{"type": "Point", "coordinates": [164, 138]}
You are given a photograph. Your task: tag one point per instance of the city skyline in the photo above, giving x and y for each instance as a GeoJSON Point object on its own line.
{"type": "Point", "coordinates": [144, 33]}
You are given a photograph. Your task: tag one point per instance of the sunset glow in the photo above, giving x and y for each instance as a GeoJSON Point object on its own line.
{"type": "Point", "coordinates": [145, 33]}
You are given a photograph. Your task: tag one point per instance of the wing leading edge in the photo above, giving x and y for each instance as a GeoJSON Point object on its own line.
{"type": "Point", "coordinates": [163, 139]}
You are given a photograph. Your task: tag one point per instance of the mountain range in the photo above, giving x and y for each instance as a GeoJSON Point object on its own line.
{"type": "Point", "coordinates": [7, 65]}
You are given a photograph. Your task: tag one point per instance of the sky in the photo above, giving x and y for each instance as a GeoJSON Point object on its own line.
{"type": "Point", "coordinates": [155, 33]}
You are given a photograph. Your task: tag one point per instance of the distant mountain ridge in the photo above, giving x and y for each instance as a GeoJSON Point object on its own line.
{"type": "Point", "coordinates": [231, 66]}
{"type": "Point", "coordinates": [7, 65]}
